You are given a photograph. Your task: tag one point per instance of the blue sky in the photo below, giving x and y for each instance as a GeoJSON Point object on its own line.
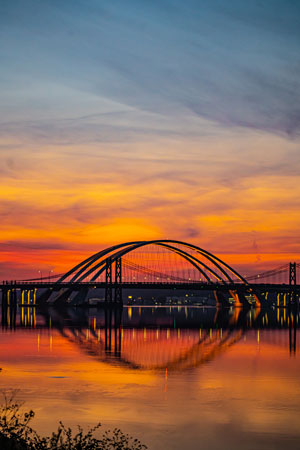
{"type": "Point", "coordinates": [152, 119]}
{"type": "Point", "coordinates": [231, 62]}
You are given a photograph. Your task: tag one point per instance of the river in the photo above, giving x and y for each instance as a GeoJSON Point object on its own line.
{"type": "Point", "coordinates": [174, 377]}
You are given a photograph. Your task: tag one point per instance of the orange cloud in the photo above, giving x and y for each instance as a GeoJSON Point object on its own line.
{"type": "Point", "coordinates": [60, 204]}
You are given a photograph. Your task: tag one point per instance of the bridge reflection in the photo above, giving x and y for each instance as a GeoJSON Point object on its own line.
{"type": "Point", "coordinates": [153, 338]}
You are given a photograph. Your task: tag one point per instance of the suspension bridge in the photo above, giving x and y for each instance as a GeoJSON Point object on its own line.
{"type": "Point", "coordinates": [155, 264]}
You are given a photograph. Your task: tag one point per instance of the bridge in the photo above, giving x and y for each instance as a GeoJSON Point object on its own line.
{"type": "Point", "coordinates": [155, 264]}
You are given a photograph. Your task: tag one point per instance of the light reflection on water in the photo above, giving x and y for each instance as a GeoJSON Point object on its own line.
{"type": "Point", "coordinates": [173, 377]}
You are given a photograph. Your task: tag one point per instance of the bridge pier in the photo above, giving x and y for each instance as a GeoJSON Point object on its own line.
{"type": "Point", "coordinates": [108, 282]}
{"type": "Point", "coordinates": [236, 297]}
{"type": "Point", "coordinates": [221, 300]}
{"type": "Point", "coordinates": [5, 297]}
{"type": "Point", "coordinates": [11, 297]}
{"type": "Point", "coordinates": [118, 281]}
{"type": "Point", "coordinates": [116, 285]}
{"type": "Point", "coordinates": [28, 296]}
{"type": "Point", "coordinates": [257, 300]}
{"type": "Point", "coordinates": [13, 302]}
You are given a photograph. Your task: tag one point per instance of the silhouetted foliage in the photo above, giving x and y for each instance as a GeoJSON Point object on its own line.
{"type": "Point", "coordinates": [17, 434]}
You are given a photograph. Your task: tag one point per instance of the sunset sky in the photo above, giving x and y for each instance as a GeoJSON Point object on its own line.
{"type": "Point", "coordinates": [133, 119]}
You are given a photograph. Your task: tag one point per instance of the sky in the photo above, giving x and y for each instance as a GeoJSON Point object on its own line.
{"type": "Point", "coordinates": [134, 119]}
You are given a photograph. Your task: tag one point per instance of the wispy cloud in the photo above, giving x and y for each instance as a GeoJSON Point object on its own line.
{"type": "Point", "coordinates": [234, 65]}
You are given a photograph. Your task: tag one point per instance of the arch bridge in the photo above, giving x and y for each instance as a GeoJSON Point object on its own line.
{"type": "Point", "coordinates": [154, 264]}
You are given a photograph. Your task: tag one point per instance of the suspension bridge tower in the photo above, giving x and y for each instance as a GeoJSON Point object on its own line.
{"type": "Point", "coordinates": [293, 284]}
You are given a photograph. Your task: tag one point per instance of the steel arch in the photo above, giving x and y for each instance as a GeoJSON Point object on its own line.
{"type": "Point", "coordinates": [86, 267]}
{"type": "Point", "coordinates": [192, 260]}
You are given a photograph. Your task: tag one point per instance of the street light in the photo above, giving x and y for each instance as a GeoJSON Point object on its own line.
{"type": "Point", "coordinates": [40, 272]}
{"type": "Point", "coordinates": [50, 271]}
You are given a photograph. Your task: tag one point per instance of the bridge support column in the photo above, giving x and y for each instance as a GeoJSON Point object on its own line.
{"type": "Point", "coordinates": [236, 298]}
{"type": "Point", "coordinates": [284, 300]}
{"type": "Point", "coordinates": [221, 301]}
{"type": "Point", "coordinates": [14, 298]}
{"type": "Point", "coordinates": [257, 301]}
{"type": "Point", "coordinates": [278, 300]}
{"type": "Point", "coordinates": [293, 283]}
{"type": "Point", "coordinates": [293, 274]}
{"type": "Point", "coordinates": [118, 281]}
{"type": "Point", "coordinates": [257, 296]}
{"type": "Point", "coordinates": [4, 298]}
{"type": "Point", "coordinates": [240, 299]}
{"type": "Point", "coordinates": [108, 282]}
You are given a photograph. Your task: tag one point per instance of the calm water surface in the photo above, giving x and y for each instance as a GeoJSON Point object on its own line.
{"type": "Point", "coordinates": [192, 378]}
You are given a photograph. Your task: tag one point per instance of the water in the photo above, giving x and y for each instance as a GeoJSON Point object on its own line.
{"type": "Point", "coordinates": [192, 378]}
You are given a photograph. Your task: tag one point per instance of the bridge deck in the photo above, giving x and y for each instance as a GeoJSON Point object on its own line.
{"type": "Point", "coordinates": [148, 285]}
